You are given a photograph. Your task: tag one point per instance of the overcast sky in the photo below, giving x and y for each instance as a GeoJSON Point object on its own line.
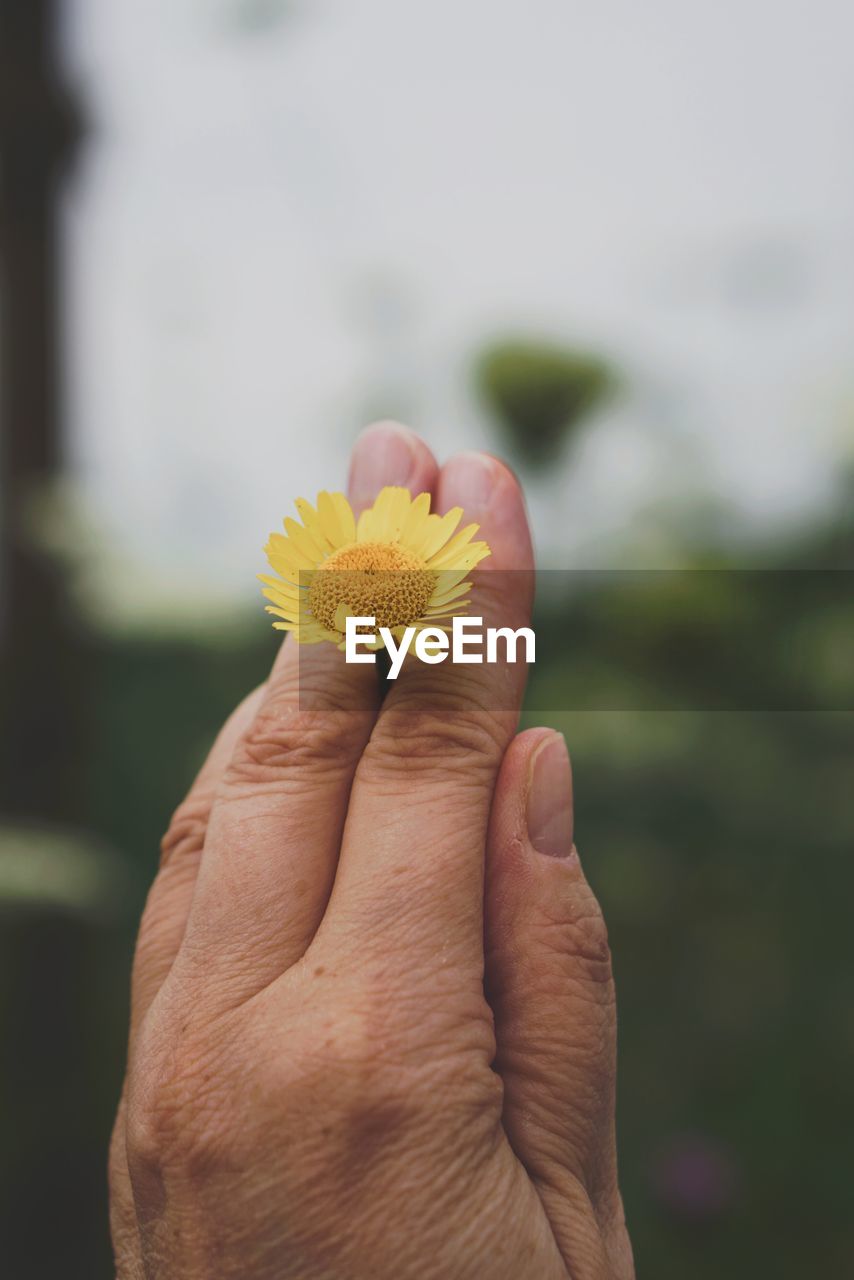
{"type": "Point", "coordinates": [292, 217]}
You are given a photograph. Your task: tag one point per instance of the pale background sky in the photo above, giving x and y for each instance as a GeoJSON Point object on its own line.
{"type": "Point", "coordinates": [290, 218]}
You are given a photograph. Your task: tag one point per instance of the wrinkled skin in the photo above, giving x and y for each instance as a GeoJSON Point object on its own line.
{"type": "Point", "coordinates": [373, 1021]}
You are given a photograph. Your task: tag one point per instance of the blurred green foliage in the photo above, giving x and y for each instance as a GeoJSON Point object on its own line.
{"type": "Point", "coordinates": [539, 392]}
{"type": "Point", "coordinates": [719, 843]}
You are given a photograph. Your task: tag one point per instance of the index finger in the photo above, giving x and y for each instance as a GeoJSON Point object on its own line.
{"type": "Point", "coordinates": [274, 833]}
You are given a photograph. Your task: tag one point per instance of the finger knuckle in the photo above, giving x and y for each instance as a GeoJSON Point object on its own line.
{"type": "Point", "coordinates": [355, 1044]}
{"type": "Point", "coordinates": [421, 742]}
{"type": "Point", "coordinates": [289, 740]}
{"type": "Point", "coordinates": [185, 834]}
{"type": "Point", "coordinates": [177, 1115]}
{"type": "Point", "coordinates": [358, 1083]}
{"type": "Point", "coordinates": [117, 1152]}
{"type": "Point", "coordinates": [422, 1054]}
{"type": "Point", "coordinates": [578, 931]}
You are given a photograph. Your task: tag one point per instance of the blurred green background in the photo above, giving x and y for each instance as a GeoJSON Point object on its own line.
{"type": "Point", "coordinates": [720, 842]}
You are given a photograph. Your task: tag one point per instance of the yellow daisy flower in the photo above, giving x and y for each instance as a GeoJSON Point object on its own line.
{"type": "Point", "coordinates": [399, 563]}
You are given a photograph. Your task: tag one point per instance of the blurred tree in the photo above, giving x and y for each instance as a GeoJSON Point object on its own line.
{"type": "Point", "coordinates": [539, 392]}
{"type": "Point", "coordinates": [39, 690]}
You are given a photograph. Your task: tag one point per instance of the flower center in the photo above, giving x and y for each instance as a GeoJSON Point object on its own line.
{"type": "Point", "coordinates": [374, 580]}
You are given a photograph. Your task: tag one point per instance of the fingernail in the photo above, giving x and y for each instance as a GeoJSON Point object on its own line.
{"type": "Point", "coordinates": [471, 482]}
{"type": "Point", "coordinates": [549, 808]}
{"type": "Point", "coordinates": [382, 455]}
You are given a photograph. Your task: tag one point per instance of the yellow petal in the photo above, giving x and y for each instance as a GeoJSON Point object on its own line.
{"type": "Point", "coordinates": [286, 609]}
{"type": "Point", "coordinates": [304, 542]}
{"type": "Point", "coordinates": [443, 557]}
{"type": "Point", "coordinates": [446, 595]}
{"type": "Point", "coordinates": [446, 610]}
{"type": "Point", "coordinates": [389, 513]}
{"type": "Point", "coordinates": [282, 585]}
{"type": "Point", "coordinates": [281, 610]}
{"type": "Point", "coordinates": [399, 513]}
{"type": "Point", "coordinates": [329, 520]}
{"type": "Point", "coordinates": [365, 526]}
{"type": "Point", "coordinates": [414, 523]}
{"type": "Point", "coordinates": [438, 535]}
{"type": "Point", "coordinates": [473, 555]}
{"type": "Point", "coordinates": [346, 519]}
{"type": "Point", "coordinates": [314, 524]}
{"type": "Point", "coordinates": [460, 595]}
{"type": "Point", "coordinates": [342, 613]}
{"type": "Point", "coordinates": [456, 554]}
{"type": "Point", "coordinates": [431, 626]}
{"type": "Point", "coordinates": [307, 512]}
{"type": "Point", "coordinates": [288, 553]}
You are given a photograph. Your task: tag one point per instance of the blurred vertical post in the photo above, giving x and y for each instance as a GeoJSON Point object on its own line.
{"type": "Point", "coordinates": [38, 129]}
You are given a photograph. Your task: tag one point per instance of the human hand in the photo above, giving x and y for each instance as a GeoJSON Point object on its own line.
{"type": "Point", "coordinates": [373, 1027]}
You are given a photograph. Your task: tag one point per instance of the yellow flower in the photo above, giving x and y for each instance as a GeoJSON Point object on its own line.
{"type": "Point", "coordinates": [400, 564]}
